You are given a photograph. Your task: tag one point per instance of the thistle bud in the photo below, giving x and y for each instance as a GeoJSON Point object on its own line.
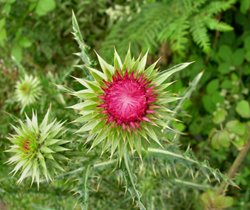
{"type": "Point", "coordinates": [37, 148]}
{"type": "Point", "coordinates": [28, 90]}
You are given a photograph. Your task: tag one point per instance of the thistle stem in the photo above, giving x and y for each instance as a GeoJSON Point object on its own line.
{"type": "Point", "coordinates": [126, 161]}
{"type": "Point", "coordinates": [101, 164]}
{"type": "Point", "coordinates": [234, 167]}
{"type": "Point", "coordinates": [86, 194]}
{"type": "Point", "coordinates": [97, 165]}
{"type": "Point", "coordinates": [172, 154]}
{"type": "Point", "coordinates": [192, 184]}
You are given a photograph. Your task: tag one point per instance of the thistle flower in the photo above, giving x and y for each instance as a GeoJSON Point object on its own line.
{"type": "Point", "coordinates": [28, 90]}
{"type": "Point", "coordinates": [37, 148]}
{"type": "Point", "coordinates": [126, 105]}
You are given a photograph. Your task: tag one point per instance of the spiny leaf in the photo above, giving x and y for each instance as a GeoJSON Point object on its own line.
{"type": "Point", "coordinates": [78, 37]}
{"type": "Point", "coordinates": [167, 73]}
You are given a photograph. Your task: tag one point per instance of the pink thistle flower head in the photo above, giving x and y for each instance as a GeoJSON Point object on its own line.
{"type": "Point", "coordinates": [125, 106]}
{"type": "Point", "coordinates": [128, 99]}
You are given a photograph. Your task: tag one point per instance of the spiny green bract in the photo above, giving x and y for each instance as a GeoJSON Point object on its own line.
{"type": "Point", "coordinates": [28, 90]}
{"type": "Point", "coordinates": [113, 135]}
{"type": "Point", "coordinates": [37, 148]}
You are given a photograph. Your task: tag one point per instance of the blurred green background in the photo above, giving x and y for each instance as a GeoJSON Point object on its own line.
{"type": "Point", "coordinates": [35, 37]}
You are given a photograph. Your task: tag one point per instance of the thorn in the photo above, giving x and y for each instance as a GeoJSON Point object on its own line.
{"type": "Point", "coordinates": [123, 126]}
{"type": "Point", "coordinates": [146, 119]}
{"type": "Point", "coordinates": [150, 111]}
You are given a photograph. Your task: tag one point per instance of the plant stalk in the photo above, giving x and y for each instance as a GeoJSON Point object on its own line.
{"type": "Point", "coordinates": [234, 168]}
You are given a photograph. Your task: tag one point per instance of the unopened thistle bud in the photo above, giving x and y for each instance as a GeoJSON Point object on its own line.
{"type": "Point", "coordinates": [28, 90]}
{"type": "Point", "coordinates": [126, 105]}
{"type": "Point", "coordinates": [37, 148]}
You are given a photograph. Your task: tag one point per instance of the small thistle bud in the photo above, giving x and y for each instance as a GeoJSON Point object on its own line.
{"type": "Point", "coordinates": [37, 148]}
{"type": "Point", "coordinates": [126, 105]}
{"type": "Point", "coordinates": [28, 90]}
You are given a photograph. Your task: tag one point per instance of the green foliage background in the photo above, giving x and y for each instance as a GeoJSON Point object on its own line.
{"type": "Point", "coordinates": [35, 37]}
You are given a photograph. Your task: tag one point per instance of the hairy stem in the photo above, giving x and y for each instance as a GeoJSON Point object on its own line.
{"type": "Point", "coordinates": [235, 167]}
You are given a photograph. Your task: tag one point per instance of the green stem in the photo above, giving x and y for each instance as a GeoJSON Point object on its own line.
{"type": "Point", "coordinates": [86, 194]}
{"type": "Point", "coordinates": [192, 184]}
{"type": "Point", "coordinates": [96, 166]}
{"type": "Point", "coordinates": [172, 154]}
{"type": "Point", "coordinates": [101, 164]}
{"type": "Point", "coordinates": [126, 161]}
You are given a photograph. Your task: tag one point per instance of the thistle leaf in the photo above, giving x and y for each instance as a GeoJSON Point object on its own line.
{"type": "Point", "coordinates": [78, 37]}
{"type": "Point", "coordinates": [164, 75]}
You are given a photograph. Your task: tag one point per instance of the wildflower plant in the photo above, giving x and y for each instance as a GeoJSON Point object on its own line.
{"type": "Point", "coordinates": [126, 105]}
{"type": "Point", "coordinates": [124, 109]}
{"type": "Point", "coordinates": [28, 90]}
{"type": "Point", "coordinates": [37, 148]}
